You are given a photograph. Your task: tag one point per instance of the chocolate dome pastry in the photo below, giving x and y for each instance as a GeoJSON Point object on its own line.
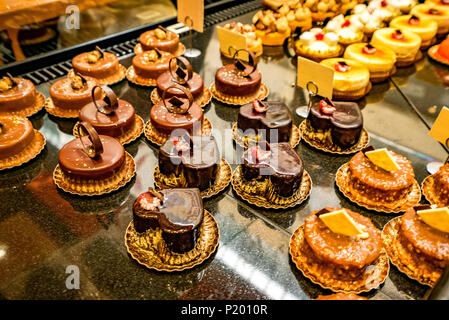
{"type": "Point", "coordinates": [19, 97]}
{"type": "Point", "coordinates": [69, 95]}
{"type": "Point", "coordinates": [19, 141]}
{"type": "Point", "coordinates": [240, 82]}
{"type": "Point", "coordinates": [184, 77]}
{"type": "Point", "coordinates": [111, 116]}
{"type": "Point", "coordinates": [93, 164]}
{"type": "Point", "coordinates": [335, 127]}
{"type": "Point", "coordinates": [148, 66]}
{"type": "Point", "coordinates": [259, 120]}
{"type": "Point", "coordinates": [161, 39]}
{"type": "Point", "coordinates": [274, 173]}
{"type": "Point", "coordinates": [100, 65]}
{"type": "Point", "coordinates": [176, 114]}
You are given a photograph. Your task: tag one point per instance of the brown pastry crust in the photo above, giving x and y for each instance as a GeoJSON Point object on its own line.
{"type": "Point", "coordinates": [21, 96]}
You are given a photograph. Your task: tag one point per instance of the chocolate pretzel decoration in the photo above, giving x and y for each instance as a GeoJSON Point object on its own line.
{"type": "Point", "coordinates": [97, 48]}
{"type": "Point", "coordinates": [110, 100]}
{"type": "Point", "coordinates": [243, 67]}
{"type": "Point", "coordinates": [180, 75]}
{"type": "Point", "coordinates": [174, 104]}
{"type": "Point", "coordinates": [95, 148]}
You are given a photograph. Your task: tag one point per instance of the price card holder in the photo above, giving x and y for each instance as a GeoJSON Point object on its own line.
{"type": "Point", "coordinates": [231, 41]}
{"type": "Point", "coordinates": [322, 76]}
{"type": "Point", "coordinates": [192, 10]}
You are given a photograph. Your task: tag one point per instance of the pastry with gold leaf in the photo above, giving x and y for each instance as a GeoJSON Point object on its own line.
{"type": "Point", "coordinates": [404, 43]}
{"type": "Point", "coordinates": [272, 27]}
{"type": "Point", "coordinates": [348, 31]}
{"type": "Point", "coordinates": [254, 43]}
{"type": "Point", "coordinates": [317, 44]}
{"type": "Point", "coordinates": [161, 39]}
{"type": "Point", "coordinates": [351, 79]}
{"type": "Point", "coordinates": [424, 27]}
{"type": "Point", "coordinates": [439, 14]}
{"type": "Point", "coordinates": [18, 96]}
{"type": "Point", "coordinates": [380, 61]}
{"type": "Point", "coordinates": [151, 64]}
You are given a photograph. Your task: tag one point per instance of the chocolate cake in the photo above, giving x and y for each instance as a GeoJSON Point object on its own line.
{"type": "Point", "coordinates": [277, 162]}
{"type": "Point", "coordinates": [159, 38]}
{"type": "Point", "coordinates": [268, 115]}
{"type": "Point", "coordinates": [96, 64]}
{"type": "Point", "coordinates": [151, 64]}
{"type": "Point", "coordinates": [335, 123]}
{"type": "Point", "coordinates": [178, 212]}
{"type": "Point", "coordinates": [16, 134]}
{"type": "Point", "coordinates": [16, 94]}
{"type": "Point", "coordinates": [194, 158]}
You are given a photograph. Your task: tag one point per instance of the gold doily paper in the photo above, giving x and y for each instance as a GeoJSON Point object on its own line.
{"type": "Point", "coordinates": [29, 153]}
{"type": "Point", "coordinates": [261, 94]}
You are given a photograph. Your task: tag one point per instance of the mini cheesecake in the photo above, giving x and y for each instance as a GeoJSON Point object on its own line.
{"type": "Point", "coordinates": [96, 64]}
{"type": "Point", "coordinates": [438, 14]}
{"type": "Point", "coordinates": [151, 64]}
{"type": "Point", "coordinates": [380, 61]}
{"type": "Point", "coordinates": [403, 42]}
{"type": "Point", "coordinates": [159, 38]}
{"type": "Point", "coordinates": [426, 28]}
{"type": "Point", "coordinates": [317, 45]}
{"type": "Point", "coordinates": [16, 94]}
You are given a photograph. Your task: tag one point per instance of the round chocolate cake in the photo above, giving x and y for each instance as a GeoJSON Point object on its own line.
{"type": "Point", "coordinates": [16, 134]}
{"type": "Point", "coordinates": [16, 94]}
{"type": "Point", "coordinates": [96, 64]}
{"type": "Point", "coordinates": [151, 64]}
{"type": "Point", "coordinates": [159, 38]}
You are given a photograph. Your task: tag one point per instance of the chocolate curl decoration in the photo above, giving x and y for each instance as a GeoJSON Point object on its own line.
{"type": "Point", "coordinates": [1, 127]}
{"type": "Point", "coordinates": [180, 75]}
{"type": "Point", "coordinates": [73, 74]}
{"type": "Point", "coordinates": [156, 193]}
{"type": "Point", "coordinates": [422, 207]}
{"type": "Point", "coordinates": [96, 146]}
{"type": "Point", "coordinates": [110, 100]}
{"type": "Point", "coordinates": [174, 104]}
{"type": "Point", "coordinates": [14, 83]}
{"type": "Point", "coordinates": [97, 48]}
{"type": "Point", "coordinates": [246, 69]}
{"type": "Point", "coordinates": [322, 211]}
{"type": "Point", "coordinates": [368, 149]}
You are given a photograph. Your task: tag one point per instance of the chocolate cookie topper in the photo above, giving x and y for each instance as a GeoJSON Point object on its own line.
{"type": "Point", "coordinates": [180, 75]}
{"type": "Point", "coordinates": [246, 69]}
{"type": "Point", "coordinates": [75, 83]}
{"type": "Point", "coordinates": [110, 100]}
{"type": "Point", "coordinates": [178, 105]}
{"type": "Point", "coordinates": [95, 148]}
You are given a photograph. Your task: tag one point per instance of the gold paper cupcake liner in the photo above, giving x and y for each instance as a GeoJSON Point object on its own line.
{"type": "Point", "coordinates": [159, 138]}
{"type": "Point", "coordinates": [255, 192]}
{"type": "Point", "coordinates": [29, 111]}
{"type": "Point", "coordinates": [149, 248]}
{"type": "Point", "coordinates": [202, 100]}
{"type": "Point", "coordinates": [138, 80]}
{"type": "Point", "coordinates": [114, 79]}
{"type": "Point", "coordinates": [405, 260]}
{"type": "Point", "coordinates": [360, 145]}
{"type": "Point", "coordinates": [324, 275]}
{"type": "Point", "coordinates": [126, 137]}
{"type": "Point", "coordinates": [179, 52]}
{"type": "Point", "coordinates": [60, 112]}
{"type": "Point", "coordinates": [222, 180]}
{"type": "Point", "coordinates": [342, 181]}
{"type": "Point", "coordinates": [243, 140]}
{"type": "Point", "coordinates": [261, 94]}
{"type": "Point", "coordinates": [428, 190]}
{"type": "Point", "coordinates": [432, 53]}
{"type": "Point", "coordinates": [96, 187]}
{"type": "Point", "coordinates": [29, 153]}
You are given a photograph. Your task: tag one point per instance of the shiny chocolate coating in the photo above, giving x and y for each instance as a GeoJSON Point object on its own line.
{"type": "Point", "coordinates": [16, 133]}
{"type": "Point", "coordinates": [65, 97]}
{"type": "Point", "coordinates": [165, 80]}
{"type": "Point", "coordinates": [105, 67]}
{"type": "Point", "coordinates": [148, 41]}
{"type": "Point", "coordinates": [230, 81]}
{"type": "Point", "coordinates": [20, 96]}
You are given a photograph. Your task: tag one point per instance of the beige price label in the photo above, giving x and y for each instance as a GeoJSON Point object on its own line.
{"type": "Point", "coordinates": [320, 75]}
{"type": "Point", "coordinates": [191, 13]}
{"type": "Point", "coordinates": [231, 41]}
{"type": "Point", "coordinates": [440, 129]}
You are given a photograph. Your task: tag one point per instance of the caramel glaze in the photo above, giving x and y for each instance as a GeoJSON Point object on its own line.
{"type": "Point", "coordinates": [165, 121]}
{"type": "Point", "coordinates": [341, 296]}
{"type": "Point", "coordinates": [165, 80]}
{"type": "Point", "coordinates": [151, 69]}
{"type": "Point", "coordinates": [18, 97]}
{"type": "Point", "coordinates": [103, 68]}
{"type": "Point", "coordinates": [65, 97]}
{"type": "Point", "coordinates": [277, 117]}
{"type": "Point", "coordinates": [17, 134]}
{"type": "Point", "coordinates": [114, 124]}
{"type": "Point", "coordinates": [179, 215]}
{"type": "Point", "coordinates": [379, 184]}
{"type": "Point", "coordinates": [441, 184]}
{"type": "Point", "coordinates": [75, 163]}
{"type": "Point", "coordinates": [341, 250]}
{"type": "Point", "coordinates": [432, 243]}
{"type": "Point", "coordinates": [229, 80]}
{"type": "Point", "coordinates": [149, 41]}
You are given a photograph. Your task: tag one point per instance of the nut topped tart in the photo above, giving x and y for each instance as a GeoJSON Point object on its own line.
{"type": "Point", "coordinates": [351, 79]}
{"type": "Point", "coordinates": [148, 66]}
{"type": "Point", "coordinates": [272, 27]}
{"type": "Point", "coordinates": [100, 65]}
{"type": "Point", "coordinates": [403, 42]}
{"type": "Point", "coordinates": [436, 187]}
{"type": "Point", "coordinates": [380, 61]}
{"type": "Point", "coordinates": [438, 13]}
{"type": "Point", "coordinates": [161, 39]}
{"type": "Point", "coordinates": [317, 44]}
{"type": "Point", "coordinates": [249, 31]}
{"type": "Point", "coordinates": [426, 28]}
{"type": "Point", "coordinates": [340, 250]}
{"type": "Point", "coordinates": [19, 97]}
{"type": "Point", "coordinates": [347, 31]}
{"type": "Point", "coordinates": [418, 242]}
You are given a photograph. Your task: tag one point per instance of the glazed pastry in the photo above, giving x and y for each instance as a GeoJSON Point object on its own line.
{"type": "Point", "coordinates": [351, 79]}
{"type": "Point", "coordinates": [17, 95]}
{"type": "Point", "coordinates": [369, 18]}
{"type": "Point", "coordinates": [102, 66]}
{"type": "Point", "coordinates": [341, 296]}
{"type": "Point", "coordinates": [276, 164]}
{"type": "Point", "coordinates": [424, 27]}
{"type": "Point", "coordinates": [383, 9]}
{"type": "Point", "coordinates": [151, 64]}
{"type": "Point", "coordinates": [439, 4]}
{"type": "Point", "coordinates": [439, 192]}
{"type": "Point", "coordinates": [271, 27]}
{"type": "Point", "coordinates": [253, 42]}
{"type": "Point", "coordinates": [161, 39]}
{"type": "Point", "coordinates": [335, 125]}
{"type": "Point", "coordinates": [347, 31]}
{"type": "Point", "coordinates": [268, 115]}
{"type": "Point", "coordinates": [191, 159]}
{"type": "Point", "coordinates": [317, 45]}
{"type": "Point", "coordinates": [440, 52]}
{"type": "Point", "coordinates": [177, 113]}
{"type": "Point", "coordinates": [380, 61]}
{"type": "Point", "coordinates": [178, 213]}
{"type": "Point", "coordinates": [439, 14]}
{"type": "Point", "coordinates": [404, 43]}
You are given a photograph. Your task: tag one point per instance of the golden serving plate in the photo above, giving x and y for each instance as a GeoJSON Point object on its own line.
{"type": "Point", "coordinates": [261, 94]}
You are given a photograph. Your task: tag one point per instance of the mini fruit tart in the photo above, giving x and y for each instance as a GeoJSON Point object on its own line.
{"type": "Point", "coordinates": [348, 31]}
{"type": "Point", "coordinates": [317, 45]}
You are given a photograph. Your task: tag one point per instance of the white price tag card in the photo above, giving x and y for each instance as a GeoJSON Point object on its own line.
{"type": "Point", "coordinates": [191, 13]}
{"type": "Point", "coordinates": [231, 41]}
{"type": "Point", "coordinates": [322, 76]}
